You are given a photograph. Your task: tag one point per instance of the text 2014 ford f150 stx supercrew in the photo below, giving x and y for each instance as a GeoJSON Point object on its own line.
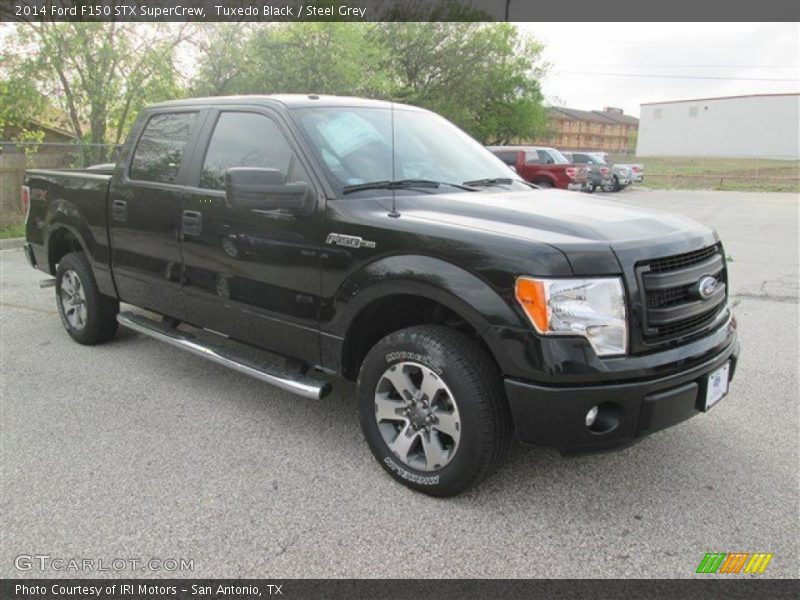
{"type": "Point", "coordinates": [380, 243]}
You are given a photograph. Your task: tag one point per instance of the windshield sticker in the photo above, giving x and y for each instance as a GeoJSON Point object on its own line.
{"type": "Point", "coordinates": [347, 132]}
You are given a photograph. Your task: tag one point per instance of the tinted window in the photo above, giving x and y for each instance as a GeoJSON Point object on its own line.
{"type": "Point", "coordinates": [510, 158]}
{"type": "Point", "coordinates": [532, 158]}
{"type": "Point", "coordinates": [245, 140]}
{"type": "Point", "coordinates": [160, 150]}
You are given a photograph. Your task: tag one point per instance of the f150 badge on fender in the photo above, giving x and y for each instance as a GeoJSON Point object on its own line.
{"type": "Point", "coordinates": [348, 241]}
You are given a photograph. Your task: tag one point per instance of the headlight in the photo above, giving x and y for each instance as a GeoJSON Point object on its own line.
{"type": "Point", "coordinates": [592, 308]}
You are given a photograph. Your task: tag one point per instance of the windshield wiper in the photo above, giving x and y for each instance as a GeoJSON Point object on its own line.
{"type": "Point", "coordinates": [490, 181]}
{"type": "Point", "coordinates": [402, 184]}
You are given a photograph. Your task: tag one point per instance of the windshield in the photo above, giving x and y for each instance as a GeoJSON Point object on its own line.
{"type": "Point", "coordinates": [598, 159]}
{"type": "Point", "coordinates": [354, 145]}
{"type": "Point", "coordinates": [557, 157]}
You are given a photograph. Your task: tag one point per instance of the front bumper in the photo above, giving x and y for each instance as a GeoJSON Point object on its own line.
{"type": "Point", "coordinates": [556, 416]}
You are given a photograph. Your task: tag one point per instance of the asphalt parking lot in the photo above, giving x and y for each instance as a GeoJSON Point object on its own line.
{"type": "Point", "coordinates": [137, 450]}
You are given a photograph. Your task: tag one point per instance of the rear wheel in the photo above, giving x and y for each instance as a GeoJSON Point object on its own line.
{"type": "Point", "coordinates": [432, 409]}
{"type": "Point", "coordinates": [610, 186]}
{"type": "Point", "coordinates": [88, 316]}
{"type": "Point", "coordinates": [544, 183]}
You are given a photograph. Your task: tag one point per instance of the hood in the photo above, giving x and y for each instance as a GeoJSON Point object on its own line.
{"type": "Point", "coordinates": [585, 228]}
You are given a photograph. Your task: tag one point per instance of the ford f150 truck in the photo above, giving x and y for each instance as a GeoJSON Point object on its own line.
{"type": "Point", "coordinates": [295, 238]}
{"type": "Point", "coordinates": [544, 167]}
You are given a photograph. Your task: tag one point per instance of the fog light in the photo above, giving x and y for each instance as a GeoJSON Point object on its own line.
{"type": "Point", "coordinates": [591, 416]}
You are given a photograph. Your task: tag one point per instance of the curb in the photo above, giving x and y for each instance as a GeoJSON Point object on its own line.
{"type": "Point", "coordinates": [12, 243]}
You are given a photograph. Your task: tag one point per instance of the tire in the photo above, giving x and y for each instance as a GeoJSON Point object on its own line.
{"type": "Point", "coordinates": [590, 189]}
{"type": "Point", "coordinates": [88, 316]}
{"type": "Point", "coordinates": [471, 426]}
{"type": "Point", "coordinates": [544, 183]}
{"type": "Point", "coordinates": [609, 187]}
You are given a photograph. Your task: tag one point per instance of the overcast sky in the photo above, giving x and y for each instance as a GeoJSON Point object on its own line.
{"type": "Point", "coordinates": [578, 52]}
{"type": "Point", "coordinates": [744, 58]}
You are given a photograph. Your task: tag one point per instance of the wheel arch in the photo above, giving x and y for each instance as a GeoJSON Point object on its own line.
{"type": "Point", "coordinates": [544, 177]}
{"type": "Point", "coordinates": [399, 292]}
{"type": "Point", "coordinates": [60, 241]}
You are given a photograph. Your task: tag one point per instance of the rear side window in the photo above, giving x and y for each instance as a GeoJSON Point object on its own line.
{"type": "Point", "coordinates": [160, 150]}
{"type": "Point", "coordinates": [510, 158]}
{"type": "Point", "coordinates": [245, 140]}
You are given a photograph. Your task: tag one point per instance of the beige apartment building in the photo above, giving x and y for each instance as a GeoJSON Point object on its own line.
{"type": "Point", "coordinates": [608, 130]}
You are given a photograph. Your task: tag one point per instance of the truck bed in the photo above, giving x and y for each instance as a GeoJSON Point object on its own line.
{"type": "Point", "coordinates": [75, 201]}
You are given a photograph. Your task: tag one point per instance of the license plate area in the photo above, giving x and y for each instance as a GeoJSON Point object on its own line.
{"type": "Point", "coordinates": [717, 385]}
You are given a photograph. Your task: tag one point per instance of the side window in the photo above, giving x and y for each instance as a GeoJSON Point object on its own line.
{"type": "Point", "coordinates": [160, 149]}
{"type": "Point", "coordinates": [544, 157]}
{"type": "Point", "coordinates": [581, 159]}
{"type": "Point", "coordinates": [510, 158]}
{"type": "Point", "coordinates": [532, 158]}
{"type": "Point", "coordinates": [247, 140]}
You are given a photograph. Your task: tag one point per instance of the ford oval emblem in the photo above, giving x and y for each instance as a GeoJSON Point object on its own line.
{"type": "Point", "coordinates": [706, 287]}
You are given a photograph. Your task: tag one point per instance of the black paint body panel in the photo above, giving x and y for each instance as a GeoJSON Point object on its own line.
{"type": "Point", "coordinates": [271, 280]}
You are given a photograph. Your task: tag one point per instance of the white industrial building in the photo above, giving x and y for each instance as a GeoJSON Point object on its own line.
{"type": "Point", "coordinates": [757, 126]}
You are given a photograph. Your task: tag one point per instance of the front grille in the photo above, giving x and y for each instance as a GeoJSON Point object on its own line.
{"type": "Point", "coordinates": [681, 260]}
{"type": "Point", "coordinates": [668, 297]}
{"type": "Point", "coordinates": [673, 308]}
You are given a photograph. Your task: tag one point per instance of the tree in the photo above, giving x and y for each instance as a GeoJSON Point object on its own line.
{"type": "Point", "coordinates": [313, 57]}
{"type": "Point", "coordinates": [484, 77]}
{"type": "Point", "coordinates": [100, 74]}
{"type": "Point", "coordinates": [20, 105]}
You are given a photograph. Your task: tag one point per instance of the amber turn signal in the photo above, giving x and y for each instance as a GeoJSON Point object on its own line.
{"type": "Point", "coordinates": [531, 296]}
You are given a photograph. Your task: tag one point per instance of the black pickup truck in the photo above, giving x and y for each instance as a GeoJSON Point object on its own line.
{"type": "Point", "coordinates": [290, 237]}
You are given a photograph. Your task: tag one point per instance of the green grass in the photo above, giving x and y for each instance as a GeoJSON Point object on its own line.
{"type": "Point", "coordinates": [744, 174]}
{"type": "Point", "coordinates": [14, 231]}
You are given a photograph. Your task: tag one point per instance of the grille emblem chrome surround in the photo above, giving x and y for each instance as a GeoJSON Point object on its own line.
{"type": "Point", "coordinates": [706, 287]}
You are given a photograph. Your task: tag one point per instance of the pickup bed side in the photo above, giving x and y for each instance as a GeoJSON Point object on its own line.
{"type": "Point", "coordinates": [68, 212]}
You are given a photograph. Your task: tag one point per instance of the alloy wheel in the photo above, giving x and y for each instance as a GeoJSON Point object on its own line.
{"type": "Point", "coordinates": [417, 416]}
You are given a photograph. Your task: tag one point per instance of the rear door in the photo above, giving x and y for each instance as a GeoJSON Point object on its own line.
{"type": "Point", "coordinates": [146, 201]}
{"type": "Point", "coordinates": [252, 274]}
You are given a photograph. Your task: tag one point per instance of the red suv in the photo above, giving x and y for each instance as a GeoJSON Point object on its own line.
{"type": "Point", "coordinates": [546, 167]}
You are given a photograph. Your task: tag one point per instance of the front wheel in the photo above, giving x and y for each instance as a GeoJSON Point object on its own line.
{"type": "Point", "coordinates": [88, 316]}
{"type": "Point", "coordinates": [432, 409]}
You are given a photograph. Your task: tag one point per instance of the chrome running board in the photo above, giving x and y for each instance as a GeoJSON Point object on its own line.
{"type": "Point", "coordinates": [291, 381]}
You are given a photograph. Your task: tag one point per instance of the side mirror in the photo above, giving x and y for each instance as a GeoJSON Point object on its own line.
{"type": "Point", "coordinates": [265, 189]}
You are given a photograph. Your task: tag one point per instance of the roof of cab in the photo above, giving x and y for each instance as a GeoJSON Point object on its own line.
{"type": "Point", "coordinates": [286, 100]}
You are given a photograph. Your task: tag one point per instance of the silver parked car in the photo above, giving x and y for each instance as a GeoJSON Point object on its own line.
{"type": "Point", "coordinates": [616, 177]}
{"type": "Point", "coordinates": [637, 169]}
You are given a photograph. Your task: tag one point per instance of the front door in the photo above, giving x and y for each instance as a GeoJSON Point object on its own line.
{"type": "Point", "coordinates": [251, 274]}
{"type": "Point", "coordinates": [146, 202]}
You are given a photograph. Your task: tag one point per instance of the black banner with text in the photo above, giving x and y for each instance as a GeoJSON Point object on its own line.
{"type": "Point", "coordinates": [394, 10]}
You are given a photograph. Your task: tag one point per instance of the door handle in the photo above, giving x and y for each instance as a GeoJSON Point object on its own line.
{"type": "Point", "coordinates": [192, 222]}
{"type": "Point", "coordinates": [119, 210]}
